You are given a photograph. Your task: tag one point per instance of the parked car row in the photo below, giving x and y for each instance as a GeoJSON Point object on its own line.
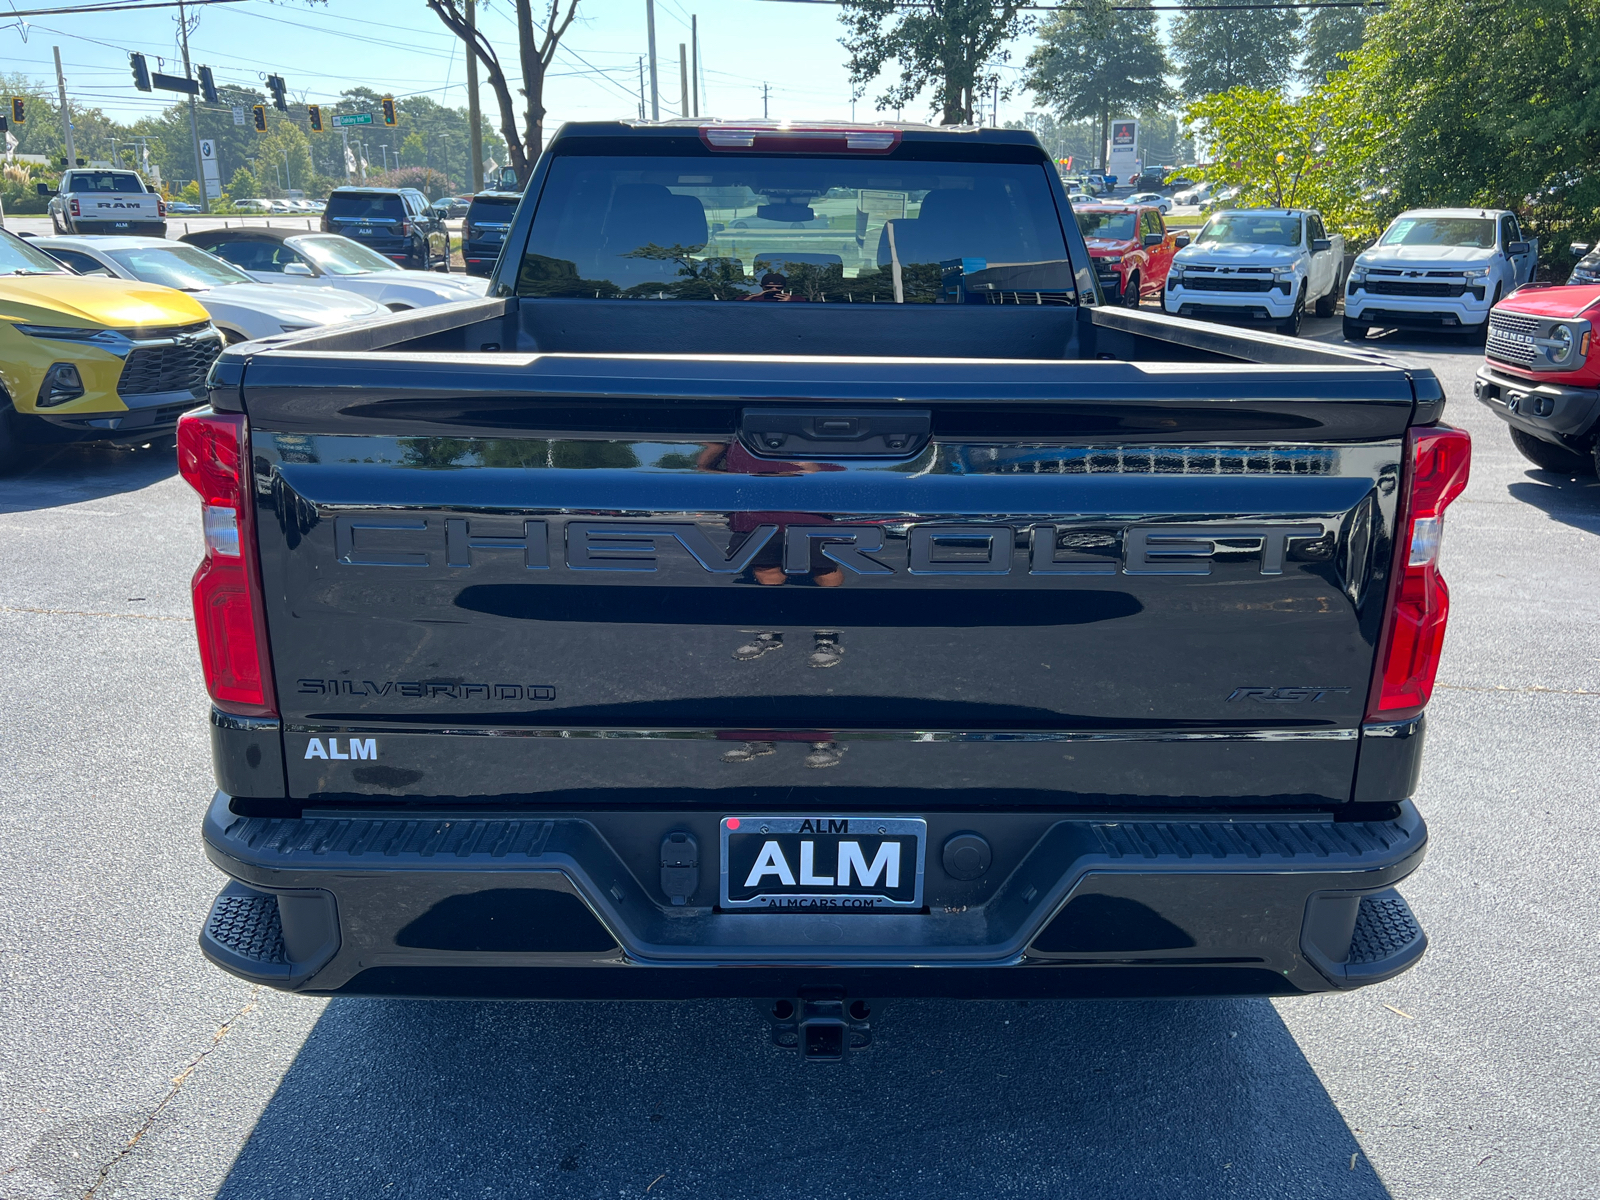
{"type": "Point", "coordinates": [291, 208]}
{"type": "Point", "coordinates": [108, 335]}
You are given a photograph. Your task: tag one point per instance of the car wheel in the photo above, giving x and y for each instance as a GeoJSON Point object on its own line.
{"type": "Point", "coordinates": [1355, 331]}
{"type": "Point", "coordinates": [1130, 291]}
{"type": "Point", "coordinates": [1547, 456]}
{"type": "Point", "coordinates": [1290, 325]}
{"type": "Point", "coordinates": [1326, 304]}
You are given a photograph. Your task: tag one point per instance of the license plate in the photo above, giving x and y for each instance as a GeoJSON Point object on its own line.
{"type": "Point", "coordinates": [367, 229]}
{"type": "Point", "coordinates": [122, 224]}
{"type": "Point", "coordinates": [803, 864]}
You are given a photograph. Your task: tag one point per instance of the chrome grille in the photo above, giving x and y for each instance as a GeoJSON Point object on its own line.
{"type": "Point", "coordinates": [178, 367]}
{"type": "Point", "coordinates": [1510, 338]}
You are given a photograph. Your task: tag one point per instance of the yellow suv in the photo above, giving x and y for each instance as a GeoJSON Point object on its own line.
{"type": "Point", "coordinates": [84, 357]}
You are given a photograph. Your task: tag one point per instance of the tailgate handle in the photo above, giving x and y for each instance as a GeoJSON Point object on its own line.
{"type": "Point", "coordinates": [835, 432]}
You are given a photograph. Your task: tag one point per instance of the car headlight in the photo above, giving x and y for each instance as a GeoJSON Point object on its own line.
{"type": "Point", "coordinates": [1476, 274]}
{"type": "Point", "coordinates": [1358, 274]}
{"type": "Point", "coordinates": [1113, 259]}
{"type": "Point", "coordinates": [61, 333]}
{"type": "Point", "coordinates": [1559, 345]}
{"type": "Point", "coordinates": [1282, 272]}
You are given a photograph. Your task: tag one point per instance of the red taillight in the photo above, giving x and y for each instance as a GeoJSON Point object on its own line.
{"type": "Point", "coordinates": [801, 139]}
{"type": "Point", "coordinates": [405, 230]}
{"type": "Point", "coordinates": [75, 209]}
{"type": "Point", "coordinates": [161, 207]}
{"type": "Point", "coordinates": [230, 619]}
{"type": "Point", "coordinates": [1438, 459]}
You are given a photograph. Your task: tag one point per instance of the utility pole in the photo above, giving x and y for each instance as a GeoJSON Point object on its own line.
{"type": "Point", "coordinates": [694, 61]}
{"type": "Point", "coordinates": [764, 91]}
{"type": "Point", "coordinates": [683, 80]}
{"type": "Point", "coordinates": [655, 84]}
{"type": "Point", "coordinates": [66, 113]}
{"type": "Point", "coordinates": [194, 121]}
{"type": "Point", "coordinates": [344, 136]}
{"type": "Point", "coordinates": [473, 116]}
{"type": "Point", "coordinates": [641, 87]}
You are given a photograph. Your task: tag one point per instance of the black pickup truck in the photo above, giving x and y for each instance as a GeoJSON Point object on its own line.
{"type": "Point", "coordinates": [793, 581]}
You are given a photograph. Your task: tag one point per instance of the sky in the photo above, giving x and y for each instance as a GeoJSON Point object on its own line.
{"type": "Point", "coordinates": [399, 47]}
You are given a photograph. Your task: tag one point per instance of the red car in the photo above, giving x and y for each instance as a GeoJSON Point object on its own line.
{"type": "Point", "coordinates": [1131, 248]}
{"type": "Point", "coordinates": [1541, 375]}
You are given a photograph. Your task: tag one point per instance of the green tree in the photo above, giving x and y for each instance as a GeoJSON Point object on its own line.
{"type": "Point", "coordinates": [1492, 105]}
{"type": "Point", "coordinates": [1330, 36]}
{"type": "Point", "coordinates": [952, 46]}
{"type": "Point", "coordinates": [1307, 152]}
{"type": "Point", "coordinates": [1216, 51]}
{"type": "Point", "coordinates": [1096, 59]}
{"type": "Point", "coordinates": [243, 185]}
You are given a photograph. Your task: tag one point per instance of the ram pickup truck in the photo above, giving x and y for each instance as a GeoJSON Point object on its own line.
{"type": "Point", "coordinates": [1541, 375]}
{"type": "Point", "coordinates": [105, 201]}
{"type": "Point", "coordinates": [1438, 269]}
{"type": "Point", "coordinates": [1258, 264]}
{"type": "Point", "coordinates": [742, 603]}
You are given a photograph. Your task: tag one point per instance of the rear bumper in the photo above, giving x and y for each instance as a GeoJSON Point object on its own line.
{"type": "Point", "coordinates": [1550, 411]}
{"type": "Point", "coordinates": [124, 228]}
{"type": "Point", "coordinates": [570, 905]}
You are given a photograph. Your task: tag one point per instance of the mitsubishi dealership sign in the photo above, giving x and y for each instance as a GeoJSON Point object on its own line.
{"type": "Point", "coordinates": [1122, 155]}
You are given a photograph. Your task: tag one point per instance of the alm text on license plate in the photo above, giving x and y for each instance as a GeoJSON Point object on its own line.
{"type": "Point", "coordinates": [805, 864]}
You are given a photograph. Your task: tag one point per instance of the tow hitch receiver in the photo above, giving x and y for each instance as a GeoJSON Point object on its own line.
{"type": "Point", "coordinates": [822, 1023]}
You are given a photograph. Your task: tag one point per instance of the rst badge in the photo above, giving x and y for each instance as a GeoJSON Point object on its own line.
{"type": "Point", "coordinates": [807, 864]}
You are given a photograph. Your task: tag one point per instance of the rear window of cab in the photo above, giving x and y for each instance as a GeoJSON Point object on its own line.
{"type": "Point", "coordinates": [364, 205]}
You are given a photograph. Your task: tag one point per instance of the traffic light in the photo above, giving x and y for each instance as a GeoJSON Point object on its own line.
{"type": "Point", "coordinates": [208, 86]}
{"type": "Point", "coordinates": [314, 115]}
{"type": "Point", "coordinates": [19, 115]}
{"type": "Point", "coordinates": [277, 87]}
{"type": "Point", "coordinates": [388, 110]}
{"type": "Point", "coordinates": [141, 73]}
{"type": "Point", "coordinates": [259, 112]}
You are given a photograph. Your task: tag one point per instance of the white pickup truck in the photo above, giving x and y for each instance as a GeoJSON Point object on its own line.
{"type": "Point", "coordinates": [1439, 268]}
{"type": "Point", "coordinates": [98, 200]}
{"type": "Point", "coordinates": [1258, 264]}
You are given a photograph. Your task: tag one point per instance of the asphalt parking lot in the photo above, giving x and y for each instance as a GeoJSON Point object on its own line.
{"type": "Point", "coordinates": [131, 1068]}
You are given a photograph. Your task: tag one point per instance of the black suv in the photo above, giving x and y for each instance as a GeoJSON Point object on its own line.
{"type": "Point", "coordinates": [484, 231]}
{"type": "Point", "coordinates": [396, 222]}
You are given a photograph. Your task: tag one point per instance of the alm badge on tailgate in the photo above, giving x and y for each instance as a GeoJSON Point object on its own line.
{"type": "Point", "coordinates": [849, 864]}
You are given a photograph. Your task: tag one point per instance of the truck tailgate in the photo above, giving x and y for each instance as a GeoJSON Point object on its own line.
{"type": "Point", "coordinates": [1091, 583]}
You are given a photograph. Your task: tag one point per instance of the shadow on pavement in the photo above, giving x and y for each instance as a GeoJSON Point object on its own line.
{"type": "Point", "coordinates": [70, 474]}
{"type": "Point", "coordinates": [1156, 1099]}
{"type": "Point", "coordinates": [1572, 501]}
